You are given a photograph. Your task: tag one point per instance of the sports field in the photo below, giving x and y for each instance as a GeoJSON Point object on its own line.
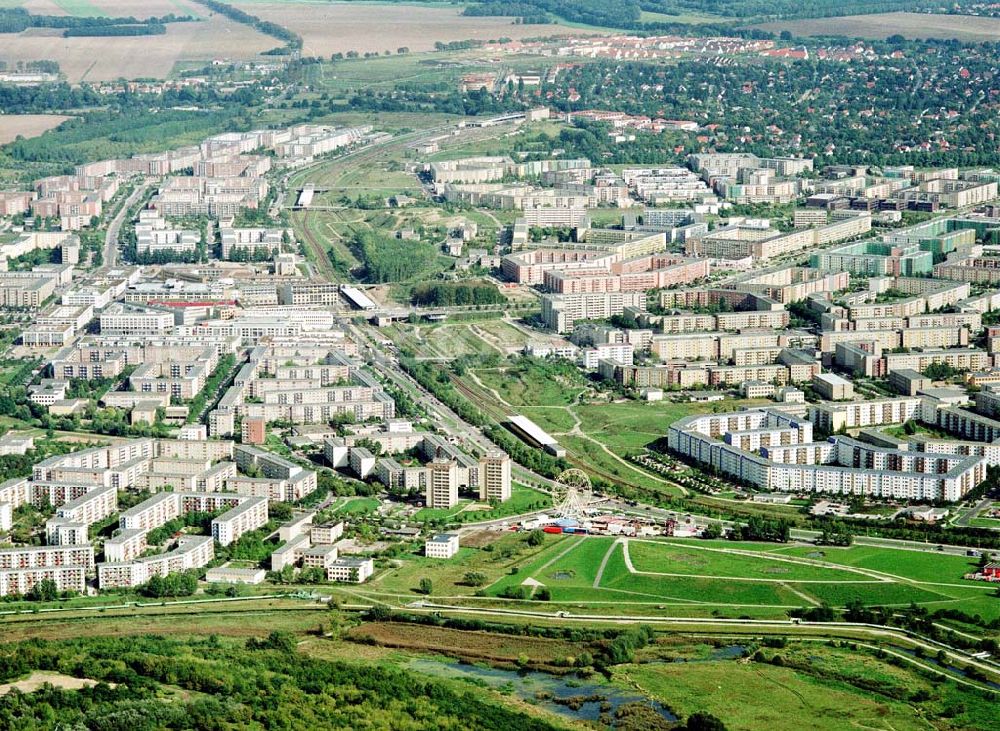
{"type": "Point", "coordinates": [695, 577]}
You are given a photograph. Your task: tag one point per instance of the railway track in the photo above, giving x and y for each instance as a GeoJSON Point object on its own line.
{"type": "Point", "coordinates": [323, 264]}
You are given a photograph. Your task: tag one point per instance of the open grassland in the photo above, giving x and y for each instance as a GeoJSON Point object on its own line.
{"type": "Point", "coordinates": [794, 700]}
{"type": "Point", "coordinates": [13, 126]}
{"type": "Point", "coordinates": [496, 559]}
{"type": "Point", "coordinates": [328, 28]}
{"type": "Point", "coordinates": [450, 340]}
{"type": "Point", "coordinates": [883, 25]}
{"type": "Point", "coordinates": [701, 577]}
{"type": "Point", "coordinates": [484, 646]}
{"type": "Point", "coordinates": [382, 73]}
{"type": "Point", "coordinates": [236, 619]}
{"type": "Point", "coordinates": [103, 59]}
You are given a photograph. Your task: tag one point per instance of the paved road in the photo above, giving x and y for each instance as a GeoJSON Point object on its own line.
{"type": "Point", "coordinates": [969, 514]}
{"type": "Point", "coordinates": [114, 228]}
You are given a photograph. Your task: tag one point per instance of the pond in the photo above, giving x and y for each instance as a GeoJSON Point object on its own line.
{"type": "Point", "coordinates": [572, 697]}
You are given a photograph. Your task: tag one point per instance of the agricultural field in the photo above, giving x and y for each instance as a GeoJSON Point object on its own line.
{"type": "Point", "coordinates": [114, 8]}
{"type": "Point", "coordinates": [883, 25]}
{"type": "Point", "coordinates": [703, 577]}
{"type": "Point", "coordinates": [104, 59]}
{"type": "Point", "coordinates": [328, 28]}
{"type": "Point", "coordinates": [13, 126]}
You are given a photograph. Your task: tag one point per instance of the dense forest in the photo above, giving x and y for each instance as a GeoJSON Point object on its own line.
{"type": "Point", "coordinates": [449, 294]}
{"type": "Point", "coordinates": [388, 259]}
{"type": "Point", "coordinates": [39, 99]}
{"type": "Point", "coordinates": [265, 684]}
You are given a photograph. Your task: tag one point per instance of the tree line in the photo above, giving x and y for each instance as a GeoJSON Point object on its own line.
{"type": "Point", "coordinates": [293, 41]}
{"type": "Point", "coordinates": [452, 294]}
{"type": "Point", "coordinates": [17, 20]}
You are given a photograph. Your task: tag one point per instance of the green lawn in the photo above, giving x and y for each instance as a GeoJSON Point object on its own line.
{"type": "Point", "coordinates": [754, 582]}
{"type": "Point", "coordinates": [358, 506]}
{"type": "Point", "coordinates": [693, 560]}
{"type": "Point", "coordinates": [915, 565]}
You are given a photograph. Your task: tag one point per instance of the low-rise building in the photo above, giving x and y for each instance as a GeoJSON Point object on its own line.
{"type": "Point", "coordinates": [442, 545]}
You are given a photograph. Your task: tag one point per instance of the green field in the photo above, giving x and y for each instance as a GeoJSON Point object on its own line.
{"type": "Point", "coordinates": [504, 552]}
{"type": "Point", "coordinates": [697, 577]}
{"type": "Point", "coordinates": [522, 500]}
{"type": "Point", "coordinates": [795, 701]}
{"type": "Point", "coordinates": [916, 565]}
{"type": "Point", "coordinates": [694, 560]}
{"type": "Point", "coordinates": [357, 506]}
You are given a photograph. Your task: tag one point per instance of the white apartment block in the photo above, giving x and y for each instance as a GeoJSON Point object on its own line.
{"type": "Point", "coordinates": [835, 417]}
{"type": "Point", "coordinates": [127, 321]}
{"type": "Point", "coordinates": [494, 476]}
{"type": "Point", "coordinates": [125, 546]}
{"type": "Point", "coordinates": [319, 557]}
{"type": "Point", "coordinates": [33, 557]}
{"type": "Point", "coordinates": [151, 513]}
{"type": "Point", "coordinates": [735, 445]}
{"type": "Point", "coordinates": [247, 516]}
{"type": "Point", "coordinates": [18, 582]}
{"type": "Point", "coordinates": [191, 552]}
{"type": "Point", "coordinates": [327, 533]}
{"type": "Point", "coordinates": [560, 311]}
{"type": "Point", "coordinates": [252, 242]}
{"type": "Point", "coordinates": [90, 507]}
{"type": "Point", "coordinates": [442, 484]}
{"type": "Point", "coordinates": [352, 570]}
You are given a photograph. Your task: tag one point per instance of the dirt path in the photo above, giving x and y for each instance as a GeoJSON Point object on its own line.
{"type": "Point", "coordinates": [39, 678]}
{"type": "Point", "coordinates": [604, 563]}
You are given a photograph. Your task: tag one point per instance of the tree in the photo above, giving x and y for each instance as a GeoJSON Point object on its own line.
{"type": "Point", "coordinates": [426, 586]}
{"type": "Point", "coordinates": [704, 722]}
{"type": "Point", "coordinates": [536, 538]}
{"type": "Point", "coordinates": [44, 591]}
{"type": "Point", "coordinates": [474, 578]}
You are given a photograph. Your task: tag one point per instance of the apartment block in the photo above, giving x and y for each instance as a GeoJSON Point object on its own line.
{"type": "Point", "coordinates": [247, 516]}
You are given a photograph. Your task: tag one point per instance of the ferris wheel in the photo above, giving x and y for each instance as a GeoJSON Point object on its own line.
{"type": "Point", "coordinates": [571, 493]}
